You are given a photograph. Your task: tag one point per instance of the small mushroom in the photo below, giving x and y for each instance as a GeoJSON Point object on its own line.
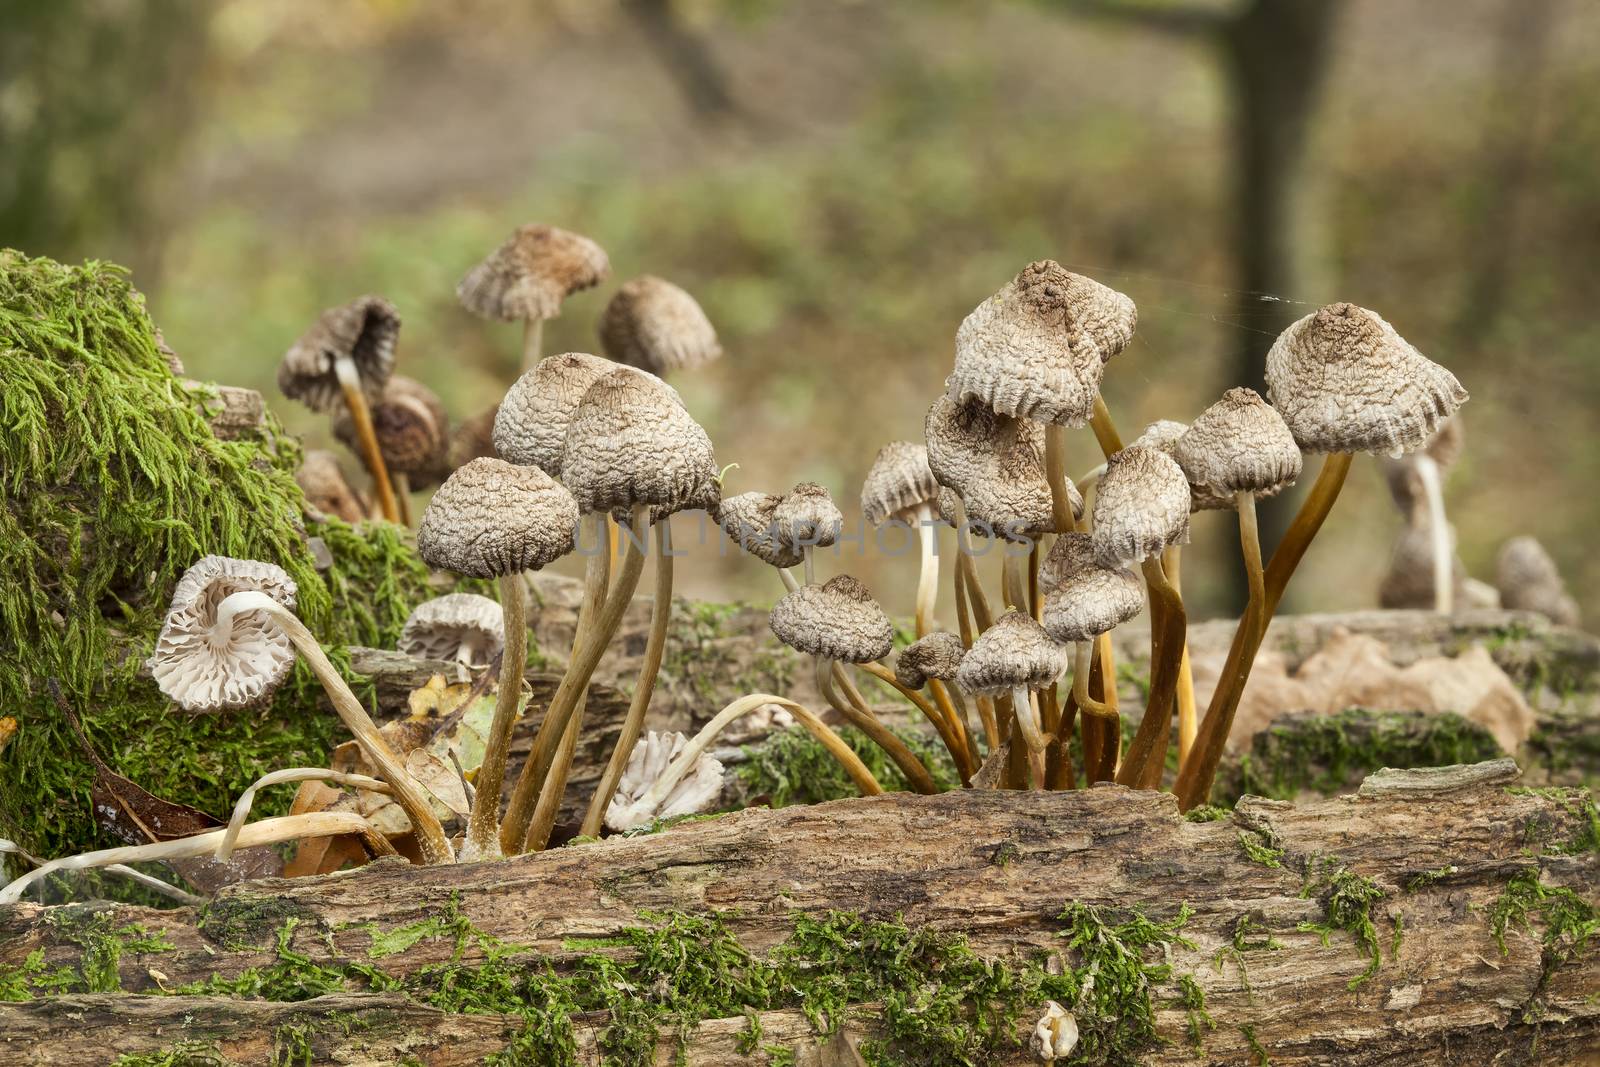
{"type": "Point", "coordinates": [1085, 600]}
{"type": "Point", "coordinates": [413, 435]}
{"type": "Point", "coordinates": [749, 521]}
{"type": "Point", "coordinates": [1410, 581]}
{"type": "Point", "coordinates": [656, 326]}
{"type": "Point", "coordinates": [647, 792]}
{"type": "Point", "coordinates": [529, 276]}
{"type": "Point", "coordinates": [1163, 435]}
{"type": "Point", "coordinates": [807, 518]}
{"type": "Point", "coordinates": [934, 657]}
{"type": "Point", "coordinates": [900, 487]}
{"type": "Point", "coordinates": [1529, 580]}
{"type": "Point", "coordinates": [1016, 656]}
{"type": "Point", "coordinates": [464, 627]}
{"type": "Point", "coordinates": [530, 425]}
{"type": "Point", "coordinates": [322, 479]}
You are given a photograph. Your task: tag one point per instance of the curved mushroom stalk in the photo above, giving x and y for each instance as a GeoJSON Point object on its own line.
{"type": "Point", "coordinates": [831, 679]}
{"type": "Point", "coordinates": [1027, 716]}
{"type": "Point", "coordinates": [950, 733]}
{"type": "Point", "coordinates": [155, 885]}
{"type": "Point", "coordinates": [1147, 755]}
{"type": "Point", "coordinates": [431, 840]}
{"type": "Point", "coordinates": [241, 810]}
{"type": "Point", "coordinates": [483, 824]}
{"type": "Point", "coordinates": [360, 414]}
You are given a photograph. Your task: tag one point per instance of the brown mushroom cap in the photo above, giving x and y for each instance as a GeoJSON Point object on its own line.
{"type": "Point", "coordinates": [748, 521]}
{"type": "Point", "coordinates": [837, 620]}
{"type": "Point", "coordinates": [631, 442]}
{"type": "Point", "coordinates": [202, 670]}
{"type": "Point", "coordinates": [410, 423]}
{"type": "Point", "coordinates": [937, 655]}
{"type": "Point", "coordinates": [1038, 347]}
{"type": "Point", "coordinates": [438, 628]}
{"type": "Point", "coordinates": [656, 326]}
{"type": "Point", "coordinates": [365, 329]}
{"type": "Point", "coordinates": [1085, 599]}
{"type": "Point", "coordinates": [807, 516]}
{"type": "Point", "coordinates": [1014, 652]}
{"type": "Point", "coordinates": [1141, 507]}
{"type": "Point", "coordinates": [530, 427]}
{"type": "Point", "coordinates": [1163, 435]}
{"type": "Point", "coordinates": [1345, 381]}
{"type": "Point", "coordinates": [529, 275]}
{"type": "Point", "coordinates": [1529, 580]}
{"type": "Point", "coordinates": [1239, 445]}
{"type": "Point", "coordinates": [899, 484]}
{"type": "Point", "coordinates": [996, 464]}
{"type": "Point", "coordinates": [492, 518]}
{"type": "Point", "coordinates": [322, 479]}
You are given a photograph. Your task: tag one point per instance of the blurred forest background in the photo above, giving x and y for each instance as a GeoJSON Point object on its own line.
{"type": "Point", "coordinates": [840, 182]}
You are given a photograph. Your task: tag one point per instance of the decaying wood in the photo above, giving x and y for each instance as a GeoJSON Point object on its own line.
{"type": "Point", "coordinates": [996, 867]}
{"type": "Point", "coordinates": [236, 412]}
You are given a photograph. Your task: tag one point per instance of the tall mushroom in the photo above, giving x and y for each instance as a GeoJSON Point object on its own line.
{"type": "Point", "coordinates": [656, 326]}
{"type": "Point", "coordinates": [413, 434]}
{"type": "Point", "coordinates": [348, 353]}
{"type": "Point", "coordinates": [493, 519]}
{"type": "Point", "coordinates": [464, 627]}
{"type": "Point", "coordinates": [529, 276]}
{"type": "Point", "coordinates": [1016, 656]}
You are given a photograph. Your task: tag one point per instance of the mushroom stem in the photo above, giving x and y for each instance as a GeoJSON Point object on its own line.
{"type": "Point", "coordinates": [587, 649]}
{"type": "Point", "coordinates": [1028, 722]}
{"type": "Point", "coordinates": [1250, 549]}
{"type": "Point", "coordinates": [265, 832]}
{"type": "Point", "coordinates": [402, 496]}
{"type": "Point", "coordinates": [1147, 755]}
{"type": "Point", "coordinates": [947, 732]}
{"type": "Point", "coordinates": [408, 793]}
{"type": "Point", "coordinates": [1035, 601]}
{"type": "Point", "coordinates": [1101, 724]}
{"type": "Point", "coordinates": [1443, 552]}
{"type": "Point", "coordinates": [790, 583]}
{"type": "Point", "coordinates": [811, 567]}
{"type": "Point", "coordinates": [1055, 471]}
{"type": "Point", "coordinates": [548, 807]}
{"type": "Point", "coordinates": [1105, 431]}
{"type": "Point", "coordinates": [1012, 582]}
{"type": "Point", "coordinates": [1196, 777]}
{"type": "Point", "coordinates": [954, 705]}
{"type": "Point", "coordinates": [483, 824]}
{"type": "Point", "coordinates": [654, 649]}
{"type": "Point", "coordinates": [928, 575]}
{"type": "Point", "coordinates": [366, 437]}
{"type": "Point", "coordinates": [532, 342]}
{"type": "Point", "coordinates": [467, 650]}
{"type": "Point", "coordinates": [1172, 562]}
{"type": "Point", "coordinates": [241, 810]}
{"type": "Point", "coordinates": [1080, 684]}
{"type": "Point", "coordinates": [853, 706]}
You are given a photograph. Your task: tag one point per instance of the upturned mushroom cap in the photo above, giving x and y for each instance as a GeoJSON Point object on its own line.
{"type": "Point", "coordinates": [1141, 507]}
{"type": "Point", "coordinates": [1163, 435]}
{"type": "Point", "coordinates": [836, 620]}
{"type": "Point", "coordinates": [201, 669]}
{"type": "Point", "coordinates": [410, 423]}
{"type": "Point", "coordinates": [1239, 445]}
{"type": "Point", "coordinates": [530, 427]}
{"type": "Point", "coordinates": [491, 518]}
{"type": "Point", "coordinates": [899, 484]}
{"type": "Point", "coordinates": [807, 516]}
{"type": "Point", "coordinates": [698, 790]}
{"type": "Point", "coordinates": [1038, 347]}
{"type": "Point", "coordinates": [996, 464]}
{"type": "Point", "coordinates": [1345, 381]}
{"type": "Point", "coordinates": [322, 479]}
{"type": "Point", "coordinates": [748, 521]}
{"type": "Point", "coordinates": [631, 442]}
{"type": "Point", "coordinates": [938, 655]}
{"type": "Point", "coordinates": [529, 275]}
{"type": "Point", "coordinates": [1015, 651]}
{"type": "Point", "coordinates": [365, 330]}
{"type": "Point", "coordinates": [656, 326]}
{"type": "Point", "coordinates": [1529, 580]}
{"type": "Point", "coordinates": [1085, 599]}
{"type": "Point", "coordinates": [441, 627]}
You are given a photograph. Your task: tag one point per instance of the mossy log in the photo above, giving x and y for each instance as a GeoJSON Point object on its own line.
{"type": "Point", "coordinates": [1418, 918]}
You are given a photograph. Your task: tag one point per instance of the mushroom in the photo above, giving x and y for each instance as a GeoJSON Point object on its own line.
{"type": "Point", "coordinates": [646, 792]}
{"type": "Point", "coordinates": [225, 643]}
{"type": "Point", "coordinates": [807, 518]}
{"type": "Point", "coordinates": [1529, 581]}
{"type": "Point", "coordinates": [1018, 657]}
{"type": "Point", "coordinates": [464, 627]}
{"type": "Point", "coordinates": [749, 521]}
{"type": "Point", "coordinates": [1416, 481]}
{"type": "Point", "coordinates": [493, 519]}
{"type": "Point", "coordinates": [348, 353]}
{"type": "Point", "coordinates": [322, 480]}
{"type": "Point", "coordinates": [529, 276]}
{"type": "Point", "coordinates": [656, 326]}
{"type": "Point", "coordinates": [1344, 381]}
{"type": "Point", "coordinates": [839, 621]}
{"type": "Point", "coordinates": [900, 487]}
{"type": "Point", "coordinates": [413, 434]}
{"type": "Point", "coordinates": [530, 425]}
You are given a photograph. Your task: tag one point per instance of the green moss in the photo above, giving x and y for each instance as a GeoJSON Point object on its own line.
{"type": "Point", "coordinates": [1244, 939]}
{"type": "Point", "coordinates": [1260, 1054]}
{"type": "Point", "coordinates": [1347, 902]}
{"type": "Point", "coordinates": [182, 1054]}
{"type": "Point", "coordinates": [1207, 813]}
{"type": "Point", "coordinates": [239, 922]}
{"type": "Point", "coordinates": [700, 658]}
{"type": "Point", "coordinates": [1192, 999]}
{"type": "Point", "coordinates": [792, 767]}
{"type": "Point", "coordinates": [1113, 980]}
{"type": "Point", "coordinates": [1422, 881]}
{"type": "Point", "coordinates": [1260, 848]}
{"type": "Point", "coordinates": [1569, 920]}
{"type": "Point", "coordinates": [101, 946]}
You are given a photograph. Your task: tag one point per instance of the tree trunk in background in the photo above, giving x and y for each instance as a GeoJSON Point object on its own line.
{"type": "Point", "coordinates": [685, 56]}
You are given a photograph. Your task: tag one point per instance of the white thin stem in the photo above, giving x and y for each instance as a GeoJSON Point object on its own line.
{"type": "Point", "coordinates": [789, 582]}
{"type": "Point", "coordinates": [928, 576]}
{"type": "Point", "coordinates": [811, 566]}
{"type": "Point", "coordinates": [1027, 716]}
{"type": "Point", "coordinates": [532, 342]}
{"type": "Point", "coordinates": [1439, 529]}
{"type": "Point", "coordinates": [241, 810]}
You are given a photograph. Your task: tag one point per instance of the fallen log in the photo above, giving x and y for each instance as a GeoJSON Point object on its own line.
{"type": "Point", "coordinates": [1433, 913]}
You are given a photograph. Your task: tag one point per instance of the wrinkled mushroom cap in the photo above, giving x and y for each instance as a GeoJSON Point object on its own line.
{"type": "Point", "coordinates": [1345, 381]}
{"type": "Point", "coordinates": [410, 423]}
{"type": "Point", "coordinates": [365, 330]}
{"type": "Point", "coordinates": [530, 427]}
{"type": "Point", "coordinates": [899, 484]}
{"type": "Point", "coordinates": [1038, 347]}
{"type": "Point", "coordinates": [1141, 507]}
{"type": "Point", "coordinates": [492, 518]}
{"type": "Point", "coordinates": [995, 463]}
{"type": "Point", "coordinates": [439, 628]}
{"type": "Point", "coordinates": [697, 791]}
{"type": "Point", "coordinates": [1529, 580]}
{"type": "Point", "coordinates": [807, 516]}
{"type": "Point", "coordinates": [748, 521]}
{"type": "Point", "coordinates": [529, 275]}
{"type": "Point", "coordinates": [322, 479]}
{"type": "Point", "coordinates": [1014, 652]}
{"type": "Point", "coordinates": [837, 620]}
{"type": "Point", "coordinates": [202, 670]}
{"type": "Point", "coordinates": [938, 655]}
{"type": "Point", "coordinates": [1163, 435]}
{"type": "Point", "coordinates": [656, 326]}
{"type": "Point", "coordinates": [631, 442]}
{"type": "Point", "coordinates": [1239, 445]}
{"type": "Point", "coordinates": [1085, 599]}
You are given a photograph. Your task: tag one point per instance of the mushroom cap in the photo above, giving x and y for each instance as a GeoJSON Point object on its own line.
{"type": "Point", "coordinates": [631, 442]}
{"type": "Point", "coordinates": [1239, 445]}
{"type": "Point", "coordinates": [995, 463]}
{"type": "Point", "coordinates": [530, 427]}
{"type": "Point", "coordinates": [202, 670]}
{"type": "Point", "coordinates": [1141, 507]}
{"type": "Point", "coordinates": [365, 330]}
{"type": "Point", "coordinates": [899, 484]}
{"type": "Point", "coordinates": [492, 518]}
{"type": "Point", "coordinates": [1163, 435]}
{"type": "Point", "coordinates": [656, 326]}
{"type": "Point", "coordinates": [697, 791]}
{"type": "Point", "coordinates": [950, 506]}
{"type": "Point", "coordinates": [322, 479]}
{"type": "Point", "coordinates": [836, 620]}
{"type": "Point", "coordinates": [410, 424]}
{"type": "Point", "coordinates": [437, 628]}
{"type": "Point", "coordinates": [529, 275]}
{"type": "Point", "coordinates": [1529, 580]}
{"type": "Point", "coordinates": [1085, 599]}
{"type": "Point", "coordinates": [1014, 652]}
{"type": "Point", "coordinates": [938, 655]}
{"type": "Point", "coordinates": [1345, 381]}
{"type": "Point", "coordinates": [1038, 347]}
{"type": "Point", "coordinates": [748, 521]}
{"type": "Point", "coordinates": [808, 517]}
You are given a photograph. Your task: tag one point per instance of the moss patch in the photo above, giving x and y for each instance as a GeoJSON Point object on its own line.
{"type": "Point", "coordinates": [101, 946]}
{"type": "Point", "coordinates": [182, 1054]}
{"type": "Point", "coordinates": [1347, 900]}
{"type": "Point", "coordinates": [792, 767]}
